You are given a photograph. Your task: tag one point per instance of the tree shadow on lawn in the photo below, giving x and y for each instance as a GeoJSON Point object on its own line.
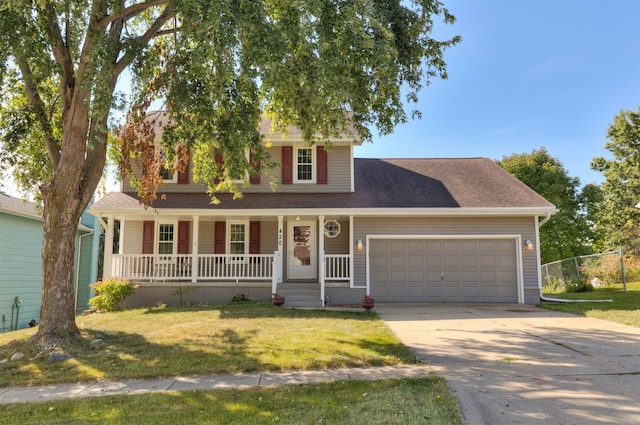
{"type": "Point", "coordinates": [126, 356]}
{"type": "Point", "coordinates": [251, 310]}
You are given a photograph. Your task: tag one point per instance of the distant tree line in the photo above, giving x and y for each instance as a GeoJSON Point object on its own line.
{"type": "Point", "coordinates": [594, 217]}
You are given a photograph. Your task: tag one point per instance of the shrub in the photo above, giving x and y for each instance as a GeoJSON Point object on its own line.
{"type": "Point", "coordinates": [578, 285]}
{"type": "Point", "coordinates": [110, 293]}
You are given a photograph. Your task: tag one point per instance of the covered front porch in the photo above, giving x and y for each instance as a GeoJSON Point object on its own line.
{"type": "Point", "coordinates": [236, 251]}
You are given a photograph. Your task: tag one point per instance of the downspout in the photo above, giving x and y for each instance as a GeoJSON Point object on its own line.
{"type": "Point", "coordinates": [75, 306]}
{"type": "Point", "coordinates": [544, 220]}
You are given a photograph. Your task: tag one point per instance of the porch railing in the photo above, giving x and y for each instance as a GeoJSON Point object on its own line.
{"type": "Point", "coordinates": [193, 267]}
{"type": "Point", "coordinates": [336, 267]}
{"type": "Point", "coordinates": [216, 267]}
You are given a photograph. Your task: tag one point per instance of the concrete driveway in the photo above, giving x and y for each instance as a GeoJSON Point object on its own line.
{"type": "Point", "coordinates": [517, 364]}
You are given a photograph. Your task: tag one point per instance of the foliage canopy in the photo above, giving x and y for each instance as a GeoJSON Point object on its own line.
{"type": "Point", "coordinates": [217, 66]}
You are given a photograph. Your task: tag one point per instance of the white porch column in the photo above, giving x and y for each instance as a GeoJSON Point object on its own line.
{"type": "Point", "coordinates": [120, 237]}
{"type": "Point", "coordinates": [280, 248]}
{"type": "Point", "coordinates": [194, 248]}
{"type": "Point", "coordinates": [108, 249]}
{"type": "Point", "coordinates": [351, 256]}
{"type": "Point", "coordinates": [321, 265]}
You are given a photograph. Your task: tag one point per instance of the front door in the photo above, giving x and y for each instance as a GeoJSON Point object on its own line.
{"type": "Point", "coordinates": [301, 250]}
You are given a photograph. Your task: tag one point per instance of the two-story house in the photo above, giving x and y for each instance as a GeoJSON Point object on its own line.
{"type": "Point", "coordinates": [335, 229]}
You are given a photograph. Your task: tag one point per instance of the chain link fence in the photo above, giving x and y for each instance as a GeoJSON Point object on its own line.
{"type": "Point", "coordinates": [576, 274]}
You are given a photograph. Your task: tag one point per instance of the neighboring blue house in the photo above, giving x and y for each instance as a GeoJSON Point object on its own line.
{"type": "Point", "coordinates": [21, 262]}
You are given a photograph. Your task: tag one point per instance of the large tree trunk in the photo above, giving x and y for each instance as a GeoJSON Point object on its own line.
{"type": "Point", "coordinates": [61, 217]}
{"type": "Point", "coordinates": [65, 197]}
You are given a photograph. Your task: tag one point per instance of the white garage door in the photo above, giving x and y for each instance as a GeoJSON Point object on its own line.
{"type": "Point", "coordinates": [443, 270]}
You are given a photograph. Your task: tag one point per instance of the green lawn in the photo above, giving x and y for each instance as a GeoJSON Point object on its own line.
{"type": "Point", "coordinates": [389, 401]}
{"type": "Point", "coordinates": [625, 307]}
{"type": "Point", "coordinates": [231, 338]}
{"type": "Point", "coordinates": [150, 343]}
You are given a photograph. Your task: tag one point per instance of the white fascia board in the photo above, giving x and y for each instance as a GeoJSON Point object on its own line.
{"type": "Point", "coordinates": [364, 212]}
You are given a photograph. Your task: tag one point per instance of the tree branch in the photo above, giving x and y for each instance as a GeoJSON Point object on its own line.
{"type": "Point", "coordinates": [154, 30]}
{"type": "Point", "coordinates": [128, 12]}
{"type": "Point", "coordinates": [60, 49]}
{"type": "Point", "coordinates": [53, 147]}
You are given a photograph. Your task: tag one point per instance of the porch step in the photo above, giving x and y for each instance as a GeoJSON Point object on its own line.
{"type": "Point", "coordinates": [300, 294]}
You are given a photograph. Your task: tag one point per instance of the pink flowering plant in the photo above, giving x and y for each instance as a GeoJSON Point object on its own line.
{"type": "Point", "coordinates": [368, 299]}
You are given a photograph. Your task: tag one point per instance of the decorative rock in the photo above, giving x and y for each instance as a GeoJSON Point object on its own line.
{"type": "Point", "coordinates": [99, 336]}
{"type": "Point", "coordinates": [96, 343]}
{"type": "Point", "coordinates": [58, 357]}
{"type": "Point", "coordinates": [16, 356]}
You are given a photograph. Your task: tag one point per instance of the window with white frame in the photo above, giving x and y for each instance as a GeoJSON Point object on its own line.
{"type": "Point", "coordinates": [166, 240]}
{"type": "Point", "coordinates": [331, 228]}
{"type": "Point", "coordinates": [167, 175]}
{"type": "Point", "coordinates": [238, 243]}
{"type": "Point", "coordinates": [304, 170]}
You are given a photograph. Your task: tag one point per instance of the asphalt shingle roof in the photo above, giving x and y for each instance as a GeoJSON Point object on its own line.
{"type": "Point", "coordinates": [379, 183]}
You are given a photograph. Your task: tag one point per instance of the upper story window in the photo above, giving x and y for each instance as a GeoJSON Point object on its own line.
{"type": "Point", "coordinates": [166, 174]}
{"type": "Point", "coordinates": [304, 167]}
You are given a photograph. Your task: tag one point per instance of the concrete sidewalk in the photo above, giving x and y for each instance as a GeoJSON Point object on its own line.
{"type": "Point", "coordinates": [96, 389]}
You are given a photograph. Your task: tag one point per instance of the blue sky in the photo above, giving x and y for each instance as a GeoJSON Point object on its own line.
{"type": "Point", "coordinates": [528, 73]}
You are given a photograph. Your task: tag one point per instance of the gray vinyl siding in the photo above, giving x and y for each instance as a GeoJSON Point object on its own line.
{"type": "Point", "coordinates": [339, 244]}
{"type": "Point", "coordinates": [339, 177]}
{"type": "Point", "coordinates": [524, 226]}
{"type": "Point", "coordinates": [206, 240]}
{"type": "Point", "coordinates": [268, 237]}
{"type": "Point", "coordinates": [132, 241]}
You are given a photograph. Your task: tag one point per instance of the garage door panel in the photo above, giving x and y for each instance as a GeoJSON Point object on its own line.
{"type": "Point", "coordinates": [469, 260]}
{"type": "Point", "coordinates": [450, 246]}
{"type": "Point", "coordinates": [415, 261]}
{"type": "Point", "coordinates": [470, 291]}
{"type": "Point", "coordinates": [416, 291]}
{"type": "Point", "coordinates": [398, 292]}
{"type": "Point", "coordinates": [470, 276]}
{"type": "Point", "coordinates": [398, 277]}
{"type": "Point", "coordinates": [451, 292]}
{"type": "Point", "coordinates": [444, 270]}
{"type": "Point", "coordinates": [451, 260]}
{"type": "Point", "coordinates": [416, 276]}
{"type": "Point", "coordinates": [434, 293]}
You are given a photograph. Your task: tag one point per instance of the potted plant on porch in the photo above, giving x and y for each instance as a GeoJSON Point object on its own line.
{"type": "Point", "coordinates": [277, 299]}
{"type": "Point", "coordinates": [367, 302]}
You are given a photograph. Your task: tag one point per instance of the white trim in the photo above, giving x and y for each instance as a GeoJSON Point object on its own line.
{"type": "Point", "coordinates": [313, 267]}
{"type": "Point", "coordinates": [353, 166]}
{"type": "Point", "coordinates": [246, 241]}
{"type": "Point", "coordinates": [538, 260]}
{"type": "Point", "coordinates": [357, 212]}
{"type": "Point", "coordinates": [516, 237]}
{"type": "Point", "coordinates": [324, 227]}
{"type": "Point", "coordinates": [351, 253]}
{"type": "Point", "coordinates": [156, 237]}
{"type": "Point", "coordinates": [174, 175]}
{"type": "Point", "coordinates": [314, 162]}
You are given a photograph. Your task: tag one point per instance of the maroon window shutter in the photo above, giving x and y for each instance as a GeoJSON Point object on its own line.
{"type": "Point", "coordinates": [287, 164]}
{"type": "Point", "coordinates": [254, 178]}
{"type": "Point", "coordinates": [183, 176]}
{"type": "Point", "coordinates": [183, 237]}
{"type": "Point", "coordinates": [254, 237]}
{"type": "Point", "coordinates": [220, 230]}
{"type": "Point", "coordinates": [147, 237]}
{"type": "Point", "coordinates": [321, 167]}
{"type": "Point", "coordinates": [220, 162]}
